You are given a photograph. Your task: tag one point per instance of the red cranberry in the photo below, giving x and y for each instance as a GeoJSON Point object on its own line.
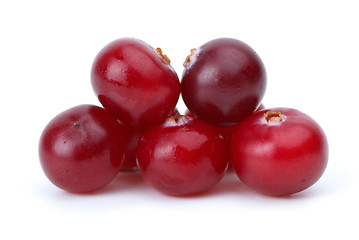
{"type": "Point", "coordinates": [279, 151]}
{"type": "Point", "coordinates": [82, 149]}
{"type": "Point", "coordinates": [223, 82]}
{"type": "Point", "coordinates": [135, 82]}
{"type": "Point", "coordinates": [182, 156]}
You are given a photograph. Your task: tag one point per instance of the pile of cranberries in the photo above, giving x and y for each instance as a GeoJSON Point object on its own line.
{"type": "Point", "coordinates": [277, 151]}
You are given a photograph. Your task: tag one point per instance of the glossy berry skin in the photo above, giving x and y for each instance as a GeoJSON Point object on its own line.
{"type": "Point", "coordinates": [135, 82]}
{"type": "Point", "coordinates": [279, 151]}
{"type": "Point", "coordinates": [225, 132]}
{"type": "Point", "coordinates": [223, 82]}
{"type": "Point", "coordinates": [133, 135]}
{"type": "Point", "coordinates": [81, 149]}
{"type": "Point", "coordinates": [182, 156]}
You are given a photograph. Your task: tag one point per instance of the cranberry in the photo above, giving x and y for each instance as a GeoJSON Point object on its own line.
{"type": "Point", "coordinates": [135, 82]}
{"type": "Point", "coordinates": [279, 151]}
{"type": "Point", "coordinates": [223, 82]}
{"type": "Point", "coordinates": [182, 156]}
{"type": "Point", "coordinates": [82, 149]}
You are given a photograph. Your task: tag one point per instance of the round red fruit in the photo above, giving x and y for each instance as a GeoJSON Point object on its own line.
{"type": "Point", "coordinates": [279, 151]}
{"type": "Point", "coordinates": [223, 82]}
{"type": "Point", "coordinates": [182, 156]}
{"type": "Point", "coordinates": [135, 82]}
{"type": "Point", "coordinates": [82, 149]}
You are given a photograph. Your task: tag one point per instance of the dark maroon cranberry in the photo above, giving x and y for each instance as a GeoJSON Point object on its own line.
{"type": "Point", "coordinates": [223, 81]}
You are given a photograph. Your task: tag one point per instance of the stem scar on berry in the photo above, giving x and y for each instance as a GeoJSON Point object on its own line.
{"type": "Point", "coordinates": [163, 56]}
{"type": "Point", "coordinates": [274, 118]}
{"type": "Point", "coordinates": [190, 58]}
{"type": "Point", "coordinates": [177, 119]}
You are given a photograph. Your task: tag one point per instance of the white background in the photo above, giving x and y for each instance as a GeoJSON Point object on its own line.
{"type": "Point", "coordinates": [310, 50]}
